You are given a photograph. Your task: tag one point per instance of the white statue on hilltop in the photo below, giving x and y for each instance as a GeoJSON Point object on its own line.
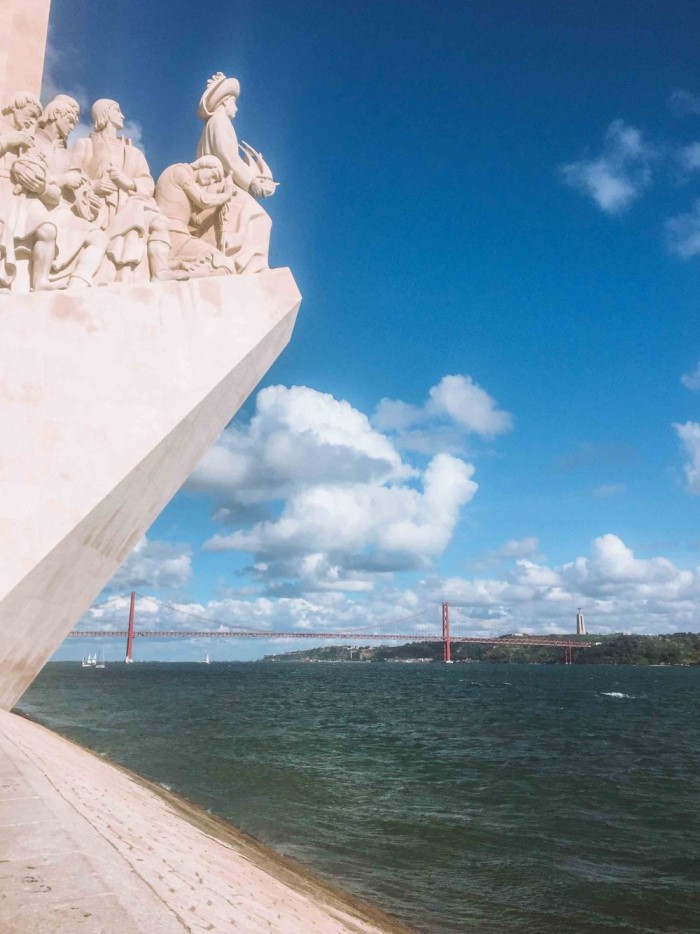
{"type": "Point", "coordinates": [54, 214]}
{"type": "Point", "coordinates": [193, 197]}
{"type": "Point", "coordinates": [122, 180]}
{"type": "Point", "coordinates": [246, 224]}
{"type": "Point", "coordinates": [18, 120]}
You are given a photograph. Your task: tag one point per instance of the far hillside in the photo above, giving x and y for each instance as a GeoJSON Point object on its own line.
{"type": "Point", "coordinates": [680, 648]}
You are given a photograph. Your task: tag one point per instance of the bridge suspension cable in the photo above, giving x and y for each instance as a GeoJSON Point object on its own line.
{"type": "Point", "coordinates": [397, 621]}
{"type": "Point", "coordinates": [226, 630]}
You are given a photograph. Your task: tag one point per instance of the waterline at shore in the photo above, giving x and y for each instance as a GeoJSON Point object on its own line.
{"type": "Point", "coordinates": [88, 846]}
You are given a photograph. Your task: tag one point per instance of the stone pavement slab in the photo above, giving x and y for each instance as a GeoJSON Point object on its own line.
{"type": "Point", "coordinates": [86, 848]}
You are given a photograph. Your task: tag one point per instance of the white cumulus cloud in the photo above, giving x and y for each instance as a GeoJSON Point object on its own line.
{"type": "Point", "coordinates": [394, 519]}
{"type": "Point", "coordinates": [322, 498]}
{"type": "Point", "coordinates": [619, 175]}
{"type": "Point", "coordinates": [619, 592]}
{"type": "Point", "coordinates": [455, 407]}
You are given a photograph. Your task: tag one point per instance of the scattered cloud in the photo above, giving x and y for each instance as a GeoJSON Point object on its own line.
{"type": "Point", "coordinates": [689, 157]}
{"type": "Point", "coordinates": [683, 233]}
{"type": "Point", "coordinates": [518, 548]}
{"type": "Point", "coordinates": [156, 565]}
{"type": "Point", "coordinates": [324, 612]}
{"type": "Point", "coordinates": [455, 408]}
{"type": "Point", "coordinates": [684, 102]}
{"type": "Point", "coordinates": [692, 380]}
{"type": "Point", "coordinates": [513, 549]}
{"type": "Point", "coordinates": [58, 78]}
{"type": "Point", "coordinates": [606, 490]}
{"type": "Point", "coordinates": [134, 132]}
{"type": "Point", "coordinates": [689, 434]}
{"type": "Point", "coordinates": [625, 168]}
{"type": "Point", "coordinates": [619, 175]}
{"type": "Point", "coordinates": [617, 590]}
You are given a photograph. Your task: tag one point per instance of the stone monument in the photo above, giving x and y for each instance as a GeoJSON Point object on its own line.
{"type": "Point", "coordinates": [135, 318]}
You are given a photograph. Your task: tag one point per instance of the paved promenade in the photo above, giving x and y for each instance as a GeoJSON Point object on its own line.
{"type": "Point", "coordinates": [85, 848]}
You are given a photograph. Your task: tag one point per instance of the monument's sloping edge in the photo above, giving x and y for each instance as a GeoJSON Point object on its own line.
{"type": "Point", "coordinates": [105, 851]}
{"type": "Point", "coordinates": [37, 613]}
{"type": "Point", "coordinates": [91, 382]}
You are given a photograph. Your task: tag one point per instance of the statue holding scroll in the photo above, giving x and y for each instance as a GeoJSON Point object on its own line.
{"type": "Point", "coordinates": [247, 224]}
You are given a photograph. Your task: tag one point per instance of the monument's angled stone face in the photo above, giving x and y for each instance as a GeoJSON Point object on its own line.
{"type": "Point", "coordinates": [136, 316]}
{"type": "Point", "coordinates": [109, 397]}
{"type": "Point", "coordinates": [24, 25]}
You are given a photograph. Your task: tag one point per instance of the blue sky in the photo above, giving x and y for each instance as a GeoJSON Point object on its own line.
{"type": "Point", "coordinates": [501, 194]}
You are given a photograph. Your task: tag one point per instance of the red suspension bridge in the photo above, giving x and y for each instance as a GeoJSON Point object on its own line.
{"type": "Point", "coordinates": [227, 631]}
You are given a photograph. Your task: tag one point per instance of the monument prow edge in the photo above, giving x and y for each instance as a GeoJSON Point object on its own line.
{"type": "Point", "coordinates": [109, 398]}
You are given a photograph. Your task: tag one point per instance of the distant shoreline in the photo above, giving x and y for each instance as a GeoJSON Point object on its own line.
{"type": "Point", "coordinates": [672, 650]}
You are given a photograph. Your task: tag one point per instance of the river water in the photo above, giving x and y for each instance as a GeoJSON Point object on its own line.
{"type": "Point", "coordinates": [484, 798]}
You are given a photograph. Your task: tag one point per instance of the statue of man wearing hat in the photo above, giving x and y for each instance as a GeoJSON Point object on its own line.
{"type": "Point", "coordinates": [247, 224]}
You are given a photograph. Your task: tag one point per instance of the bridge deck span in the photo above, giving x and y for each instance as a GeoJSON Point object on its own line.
{"type": "Point", "coordinates": [337, 636]}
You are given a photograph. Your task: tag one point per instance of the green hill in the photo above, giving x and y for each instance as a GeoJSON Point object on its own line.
{"type": "Point", "coordinates": [680, 648]}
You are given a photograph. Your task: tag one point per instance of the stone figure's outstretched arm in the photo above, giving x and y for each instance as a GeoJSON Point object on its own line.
{"type": "Point", "coordinates": [240, 171]}
{"type": "Point", "coordinates": [263, 184]}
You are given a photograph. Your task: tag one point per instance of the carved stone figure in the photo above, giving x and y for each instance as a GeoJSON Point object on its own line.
{"type": "Point", "coordinates": [54, 219]}
{"type": "Point", "coordinates": [18, 120]}
{"type": "Point", "coordinates": [246, 224]}
{"type": "Point", "coordinates": [193, 197]}
{"type": "Point", "coordinates": [122, 180]}
{"type": "Point", "coordinates": [93, 215]}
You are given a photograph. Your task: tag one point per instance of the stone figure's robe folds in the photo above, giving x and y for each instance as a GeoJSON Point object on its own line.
{"type": "Point", "coordinates": [7, 249]}
{"type": "Point", "coordinates": [126, 212]}
{"type": "Point", "coordinates": [179, 197]}
{"type": "Point", "coordinates": [247, 223]}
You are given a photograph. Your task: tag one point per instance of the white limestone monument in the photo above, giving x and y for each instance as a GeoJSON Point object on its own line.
{"type": "Point", "coordinates": [135, 318]}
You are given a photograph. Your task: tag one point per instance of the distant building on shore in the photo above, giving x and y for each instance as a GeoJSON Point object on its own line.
{"type": "Point", "coordinates": [580, 624]}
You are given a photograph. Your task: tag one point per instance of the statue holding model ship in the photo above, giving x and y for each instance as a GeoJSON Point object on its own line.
{"type": "Point", "coordinates": [92, 214]}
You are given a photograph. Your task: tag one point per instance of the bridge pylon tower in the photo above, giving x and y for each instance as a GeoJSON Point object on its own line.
{"type": "Point", "coordinates": [446, 646]}
{"type": "Point", "coordinates": [130, 634]}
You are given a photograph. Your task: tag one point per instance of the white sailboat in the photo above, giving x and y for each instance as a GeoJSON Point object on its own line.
{"type": "Point", "coordinates": [206, 660]}
{"type": "Point", "coordinates": [99, 661]}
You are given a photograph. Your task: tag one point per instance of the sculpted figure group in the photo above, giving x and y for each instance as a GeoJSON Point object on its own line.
{"type": "Point", "coordinates": [92, 214]}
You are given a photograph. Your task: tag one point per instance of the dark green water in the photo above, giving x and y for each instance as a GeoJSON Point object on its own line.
{"type": "Point", "coordinates": [477, 798]}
